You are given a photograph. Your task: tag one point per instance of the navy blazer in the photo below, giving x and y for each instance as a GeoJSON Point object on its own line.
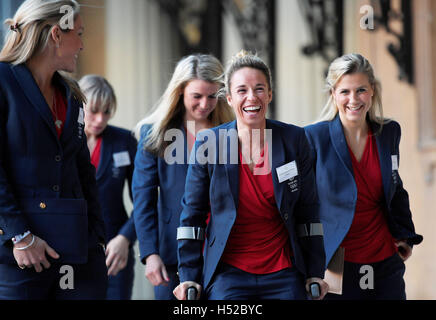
{"type": "Point", "coordinates": [111, 177]}
{"type": "Point", "coordinates": [158, 188]}
{"type": "Point", "coordinates": [47, 184]}
{"type": "Point", "coordinates": [337, 188]}
{"type": "Point", "coordinates": [215, 188]}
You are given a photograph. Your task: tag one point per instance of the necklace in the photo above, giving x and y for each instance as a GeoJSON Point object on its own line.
{"type": "Point", "coordinates": [58, 122]}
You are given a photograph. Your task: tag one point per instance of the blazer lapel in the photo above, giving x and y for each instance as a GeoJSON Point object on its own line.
{"type": "Point", "coordinates": [340, 144]}
{"type": "Point", "coordinates": [232, 166]}
{"type": "Point", "coordinates": [34, 95]}
{"type": "Point", "coordinates": [384, 158]}
{"type": "Point", "coordinates": [276, 152]}
{"type": "Point", "coordinates": [106, 153]}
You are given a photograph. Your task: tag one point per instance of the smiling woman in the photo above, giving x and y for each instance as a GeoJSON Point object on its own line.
{"type": "Point", "coordinates": [250, 96]}
{"type": "Point", "coordinates": [45, 165]}
{"type": "Point", "coordinates": [254, 246]}
{"type": "Point", "coordinates": [190, 98]}
{"type": "Point", "coordinates": [363, 205]}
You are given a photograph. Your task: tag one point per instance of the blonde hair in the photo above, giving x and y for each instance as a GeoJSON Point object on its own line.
{"type": "Point", "coordinates": [29, 33]}
{"type": "Point", "coordinates": [169, 111]}
{"type": "Point", "coordinates": [245, 59]}
{"type": "Point", "coordinates": [350, 64]}
{"type": "Point", "coordinates": [99, 94]}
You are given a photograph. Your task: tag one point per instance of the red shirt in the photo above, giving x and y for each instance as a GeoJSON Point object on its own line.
{"type": "Point", "coordinates": [369, 239]}
{"type": "Point", "coordinates": [59, 111]}
{"type": "Point", "coordinates": [95, 157]}
{"type": "Point", "coordinates": [259, 240]}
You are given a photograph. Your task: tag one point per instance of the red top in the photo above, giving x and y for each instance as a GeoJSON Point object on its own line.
{"type": "Point", "coordinates": [259, 240]}
{"type": "Point", "coordinates": [59, 111]}
{"type": "Point", "coordinates": [95, 157]}
{"type": "Point", "coordinates": [369, 239]}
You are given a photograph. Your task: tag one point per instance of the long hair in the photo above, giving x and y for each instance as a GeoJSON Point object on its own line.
{"type": "Point", "coordinates": [350, 64]}
{"type": "Point", "coordinates": [29, 33]}
{"type": "Point", "coordinates": [169, 111]}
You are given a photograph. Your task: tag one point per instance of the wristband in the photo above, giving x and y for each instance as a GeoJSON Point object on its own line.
{"type": "Point", "coordinates": [28, 246]}
{"type": "Point", "coordinates": [18, 238]}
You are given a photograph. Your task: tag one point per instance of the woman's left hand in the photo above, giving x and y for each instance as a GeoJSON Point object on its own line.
{"type": "Point", "coordinates": [404, 250]}
{"type": "Point", "coordinates": [117, 253]}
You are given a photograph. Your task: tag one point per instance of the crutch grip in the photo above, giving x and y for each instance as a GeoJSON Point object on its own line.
{"type": "Point", "coordinates": [315, 290]}
{"type": "Point", "coordinates": [191, 293]}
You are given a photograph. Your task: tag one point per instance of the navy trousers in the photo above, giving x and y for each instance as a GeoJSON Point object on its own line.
{"type": "Point", "coordinates": [120, 287]}
{"type": "Point", "coordinates": [166, 292]}
{"type": "Point", "coordinates": [374, 281]}
{"type": "Point", "coordinates": [89, 281]}
{"type": "Point", "coordinates": [230, 283]}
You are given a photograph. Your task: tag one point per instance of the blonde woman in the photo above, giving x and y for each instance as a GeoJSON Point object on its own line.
{"type": "Point", "coordinates": [50, 219]}
{"type": "Point", "coordinates": [188, 105]}
{"type": "Point", "coordinates": [112, 152]}
{"type": "Point", "coordinates": [364, 207]}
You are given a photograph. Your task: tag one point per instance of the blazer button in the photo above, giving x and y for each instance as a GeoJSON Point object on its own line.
{"type": "Point", "coordinates": [1, 232]}
{"type": "Point", "coordinates": [286, 216]}
{"type": "Point", "coordinates": [58, 158]}
{"type": "Point", "coordinates": [56, 188]}
{"type": "Point", "coordinates": [42, 205]}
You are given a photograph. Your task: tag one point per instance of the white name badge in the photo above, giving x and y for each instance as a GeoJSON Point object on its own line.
{"type": "Point", "coordinates": [81, 119]}
{"type": "Point", "coordinates": [395, 163]}
{"type": "Point", "coordinates": [121, 159]}
{"type": "Point", "coordinates": [288, 171]}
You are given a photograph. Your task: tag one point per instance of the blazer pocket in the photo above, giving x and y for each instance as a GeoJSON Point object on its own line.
{"type": "Point", "coordinates": [62, 223]}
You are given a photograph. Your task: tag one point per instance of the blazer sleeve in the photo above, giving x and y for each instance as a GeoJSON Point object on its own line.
{"type": "Point", "coordinates": [90, 191]}
{"type": "Point", "coordinates": [313, 155]}
{"type": "Point", "coordinates": [307, 213]}
{"type": "Point", "coordinates": [128, 229]}
{"type": "Point", "coordinates": [195, 203]}
{"type": "Point", "coordinates": [12, 221]}
{"type": "Point", "coordinates": [400, 207]}
{"type": "Point", "coordinates": [145, 185]}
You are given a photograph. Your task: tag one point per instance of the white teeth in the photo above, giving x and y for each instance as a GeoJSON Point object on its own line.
{"type": "Point", "coordinates": [354, 108]}
{"type": "Point", "coordinates": [252, 109]}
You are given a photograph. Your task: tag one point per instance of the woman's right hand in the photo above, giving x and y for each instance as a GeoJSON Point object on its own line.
{"type": "Point", "coordinates": [155, 271]}
{"type": "Point", "coordinates": [180, 291]}
{"type": "Point", "coordinates": [34, 256]}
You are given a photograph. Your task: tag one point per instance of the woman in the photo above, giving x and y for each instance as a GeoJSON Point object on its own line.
{"type": "Point", "coordinates": [257, 242]}
{"type": "Point", "coordinates": [364, 207]}
{"type": "Point", "coordinates": [189, 104]}
{"type": "Point", "coordinates": [49, 211]}
{"type": "Point", "coordinates": [112, 152]}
